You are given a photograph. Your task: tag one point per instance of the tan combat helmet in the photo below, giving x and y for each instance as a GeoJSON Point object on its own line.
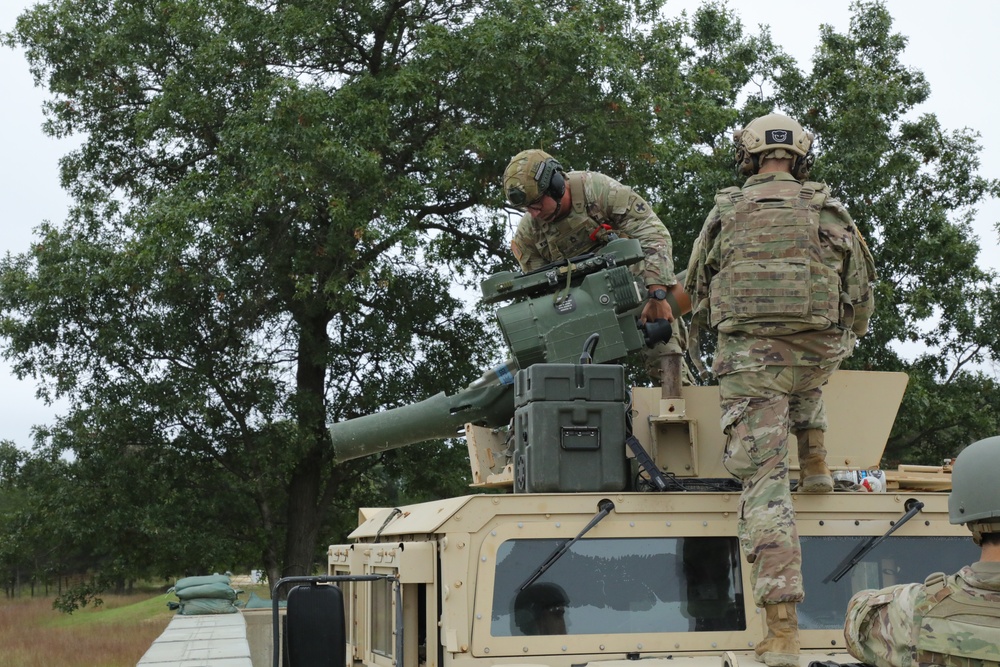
{"type": "Point", "coordinates": [531, 175]}
{"type": "Point", "coordinates": [975, 496]}
{"type": "Point", "coordinates": [773, 136]}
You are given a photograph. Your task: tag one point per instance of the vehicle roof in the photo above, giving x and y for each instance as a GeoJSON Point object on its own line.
{"type": "Point", "coordinates": [470, 513]}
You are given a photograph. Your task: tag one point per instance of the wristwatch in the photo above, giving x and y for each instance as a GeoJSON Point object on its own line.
{"type": "Point", "coordinates": [658, 294]}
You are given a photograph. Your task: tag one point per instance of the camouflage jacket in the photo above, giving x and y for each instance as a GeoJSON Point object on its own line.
{"type": "Point", "coordinates": [951, 621]}
{"type": "Point", "coordinates": [842, 249]}
{"type": "Point", "coordinates": [597, 199]}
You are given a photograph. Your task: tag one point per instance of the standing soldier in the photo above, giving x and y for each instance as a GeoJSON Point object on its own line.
{"type": "Point", "coordinates": [946, 620]}
{"type": "Point", "coordinates": [570, 214]}
{"type": "Point", "coordinates": [783, 275]}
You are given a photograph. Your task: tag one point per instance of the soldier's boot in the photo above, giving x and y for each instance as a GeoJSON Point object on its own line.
{"type": "Point", "coordinates": [780, 648]}
{"type": "Point", "coordinates": [814, 475]}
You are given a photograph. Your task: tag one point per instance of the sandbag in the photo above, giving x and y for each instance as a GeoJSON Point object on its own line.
{"type": "Point", "coordinates": [216, 591]}
{"type": "Point", "coordinates": [257, 602]}
{"type": "Point", "coordinates": [200, 606]}
{"type": "Point", "coordinates": [187, 582]}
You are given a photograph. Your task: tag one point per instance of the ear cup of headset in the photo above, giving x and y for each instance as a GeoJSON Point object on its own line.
{"type": "Point", "coordinates": [557, 184]}
{"type": "Point", "coordinates": [802, 166]}
{"type": "Point", "coordinates": [523, 622]}
{"type": "Point", "coordinates": [747, 164]}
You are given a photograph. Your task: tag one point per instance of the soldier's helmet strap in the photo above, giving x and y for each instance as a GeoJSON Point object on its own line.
{"type": "Point", "coordinates": [576, 192]}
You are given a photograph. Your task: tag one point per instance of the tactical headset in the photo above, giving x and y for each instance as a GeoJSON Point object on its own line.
{"type": "Point", "coordinates": [550, 179]}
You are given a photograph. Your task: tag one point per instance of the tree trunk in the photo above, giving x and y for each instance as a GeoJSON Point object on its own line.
{"type": "Point", "coordinates": [303, 517]}
{"type": "Point", "coordinates": [307, 502]}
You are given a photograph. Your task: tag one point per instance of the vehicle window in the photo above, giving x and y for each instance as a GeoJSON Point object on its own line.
{"type": "Point", "coordinates": [897, 560]}
{"type": "Point", "coordinates": [382, 617]}
{"type": "Point", "coordinates": [619, 585]}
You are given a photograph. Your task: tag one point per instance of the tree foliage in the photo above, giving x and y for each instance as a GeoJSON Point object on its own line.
{"type": "Point", "coordinates": [913, 187]}
{"type": "Point", "coordinates": [271, 204]}
{"type": "Point", "coordinates": [275, 199]}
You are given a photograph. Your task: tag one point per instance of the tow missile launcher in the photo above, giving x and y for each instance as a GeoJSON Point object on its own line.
{"type": "Point", "coordinates": [556, 310]}
{"type": "Point", "coordinates": [604, 529]}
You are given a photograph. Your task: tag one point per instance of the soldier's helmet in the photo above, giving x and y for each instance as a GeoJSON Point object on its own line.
{"type": "Point", "coordinates": [531, 175]}
{"type": "Point", "coordinates": [534, 603]}
{"type": "Point", "coordinates": [975, 494]}
{"type": "Point", "coordinates": [777, 136]}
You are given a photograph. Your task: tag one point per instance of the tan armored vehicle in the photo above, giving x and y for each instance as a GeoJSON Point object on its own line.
{"type": "Point", "coordinates": [577, 548]}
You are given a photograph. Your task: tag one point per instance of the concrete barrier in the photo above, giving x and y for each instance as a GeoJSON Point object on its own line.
{"type": "Point", "coordinates": [210, 640]}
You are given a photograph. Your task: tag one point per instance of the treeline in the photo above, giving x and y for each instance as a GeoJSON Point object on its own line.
{"type": "Point", "coordinates": [273, 203]}
{"type": "Point", "coordinates": [75, 529]}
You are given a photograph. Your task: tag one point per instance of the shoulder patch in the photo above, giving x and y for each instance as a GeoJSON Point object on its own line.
{"type": "Point", "coordinates": [516, 250]}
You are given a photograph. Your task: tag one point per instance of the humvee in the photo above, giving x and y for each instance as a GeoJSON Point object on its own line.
{"type": "Point", "coordinates": [603, 526]}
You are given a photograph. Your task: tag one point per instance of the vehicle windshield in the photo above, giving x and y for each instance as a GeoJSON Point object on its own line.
{"type": "Point", "coordinates": [897, 560]}
{"type": "Point", "coordinates": [690, 584]}
{"type": "Point", "coordinates": [619, 585]}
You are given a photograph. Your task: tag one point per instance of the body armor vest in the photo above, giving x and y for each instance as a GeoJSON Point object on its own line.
{"type": "Point", "coordinates": [772, 274]}
{"type": "Point", "coordinates": [955, 628]}
{"type": "Point", "coordinates": [571, 236]}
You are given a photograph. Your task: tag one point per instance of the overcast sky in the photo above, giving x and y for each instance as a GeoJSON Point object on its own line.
{"type": "Point", "coordinates": [953, 44]}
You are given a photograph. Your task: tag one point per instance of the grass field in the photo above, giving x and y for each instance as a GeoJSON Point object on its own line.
{"type": "Point", "coordinates": [116, 634]}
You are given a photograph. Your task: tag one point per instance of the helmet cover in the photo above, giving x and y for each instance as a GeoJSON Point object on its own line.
{"type": "Point", "coordinates": [773, 136]}
{"type": "Point", "coordinates": [531, 175]}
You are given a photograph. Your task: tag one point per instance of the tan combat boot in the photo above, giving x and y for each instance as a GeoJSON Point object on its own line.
{"type": "Point", "coordinates": [780, 648]}
{"type": "Point", "coordinates": [814, 476]}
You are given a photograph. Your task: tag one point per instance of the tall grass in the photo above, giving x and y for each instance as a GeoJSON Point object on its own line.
{"type": "Point", "coordinates": [116, 634]}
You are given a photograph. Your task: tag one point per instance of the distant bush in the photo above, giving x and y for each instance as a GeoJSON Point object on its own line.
{"type": "Point", "coordinates": [77, 597]}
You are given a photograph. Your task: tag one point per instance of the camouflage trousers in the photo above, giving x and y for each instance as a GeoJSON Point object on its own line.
{"type": "Point", "coordinates": [761, 408]}
{"type": "Point", "coordinates": [651, 357]}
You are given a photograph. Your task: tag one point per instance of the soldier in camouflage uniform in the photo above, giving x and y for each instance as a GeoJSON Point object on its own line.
{"type": "Point", "coordinates": [946, 620]}
{"type": "Point", "coordinates": [782, 274]}
{"type": "Point", "coordinates": [570, 214]}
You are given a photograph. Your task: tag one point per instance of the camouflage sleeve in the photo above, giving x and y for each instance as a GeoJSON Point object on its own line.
{"type": "Point", "coordinates": [703, 264]}
{"type": "Point", "coordinates": [523, 248]}
{"type": "Point", "coordinates": [879, 626]}
{"type": "Point", "coordinates": [631, 214]}
{"type": "Point", "coordinates": [859, 271]}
